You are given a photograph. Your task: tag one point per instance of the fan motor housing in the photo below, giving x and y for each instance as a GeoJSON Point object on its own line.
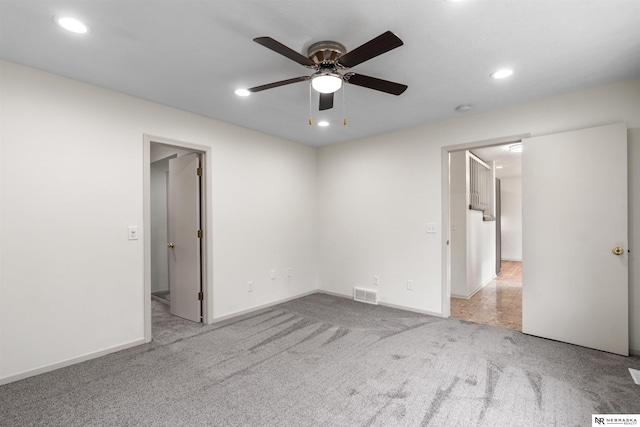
{"type": "Point", "coordinates": [326, 52]}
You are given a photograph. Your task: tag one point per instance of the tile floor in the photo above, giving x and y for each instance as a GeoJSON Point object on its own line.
{"type": "Point", "coordinates": [499, 303]}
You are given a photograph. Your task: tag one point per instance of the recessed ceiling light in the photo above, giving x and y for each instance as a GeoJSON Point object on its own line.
{"type": "Point", "coordinates": [242, 92]}
{"type": "Point", "coordinates": [323, 123]}
{"type": "Point", "coordinates": [499, 167]}
{"type": "Point", "coordinates": [501, 74]}
{"type": "Point", "coordinates": [463, 108]}
{"type": "Point", "coordinates": [515, 148]}
{"type": "Point", "coordinates": [72, 24]}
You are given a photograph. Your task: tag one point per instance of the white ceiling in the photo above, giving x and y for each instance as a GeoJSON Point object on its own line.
{"type": "Point", "coordinates": [193, 54]}
{"type": "Point", "coordinates": [508, 164]}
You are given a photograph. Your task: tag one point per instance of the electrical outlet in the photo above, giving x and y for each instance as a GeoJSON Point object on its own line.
{"type": "Point", "coordinates": [376, 280]}
{"type": "Point", "coordinates": [431, 229]}
{"type": "Point", "coordinates": [250, 287]}
{"type": "Point", "coordinates": [410, 285]}
{"type": "Point", "coordinates": [273, 275]}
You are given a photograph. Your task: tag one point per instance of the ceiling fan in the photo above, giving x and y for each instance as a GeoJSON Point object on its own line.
{"type": "Point", "coordinates": [330, 60]}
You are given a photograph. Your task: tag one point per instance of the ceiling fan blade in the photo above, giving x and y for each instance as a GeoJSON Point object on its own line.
{"type": "Point", "coordinates": [376, 84]}
{"type": "Point", "coordinates": [278, 47]}
{"type": "Point", "coordinates": [326, 101]}
{"type": "Point", "coordinates": [277, 84]}
{"type": "Point", "coordinates": [381, 44]}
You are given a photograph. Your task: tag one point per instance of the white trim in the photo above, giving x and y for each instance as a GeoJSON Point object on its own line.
{"type": "Point", "coordinates": [511, 259]}
{"type": "Point", "coordinates": [476, 291]}
{"type": "Point", "coordinates": [335, 294]}
{"type": "Point", "coordinates": [415, 310]}
{"type": "Point", "coordinates": [207, 290]}
{"type": "Point", "coordinates": [386, 304]}
{"type": "Point", "coordinates": [260, 307]}
{"type": "Point", "coordinates": [634, 351]}
{"type": "Point", "coordinates": [446, 236]}
{"type": "Point", "coordinates": [69, 362]}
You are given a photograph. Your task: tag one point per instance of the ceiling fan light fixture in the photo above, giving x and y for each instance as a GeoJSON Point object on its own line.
{"type": "Point", "coordinates": [326, 82]}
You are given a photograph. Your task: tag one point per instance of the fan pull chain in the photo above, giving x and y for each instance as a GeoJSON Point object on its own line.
{"type": "Point", "coordinates": [344, 105]}
{"type": "Point", "coordinates": [310, 119]}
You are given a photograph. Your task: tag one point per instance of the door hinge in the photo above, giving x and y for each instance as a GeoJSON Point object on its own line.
{"type": "Point", "coordinates": [200, 296]}
{"type": "Point", "coordinates": [199, 171]}
{"type": "Point", "coordinates": [199, 234]}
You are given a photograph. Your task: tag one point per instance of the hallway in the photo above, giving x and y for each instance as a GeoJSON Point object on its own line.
{"type": "Point", "coordinates": [499, 303]}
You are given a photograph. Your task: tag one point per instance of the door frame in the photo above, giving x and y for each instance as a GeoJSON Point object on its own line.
{"type": "Point", "coordinates": [446, 229]}
{"type": "Point", "coordinates": [207, 250]}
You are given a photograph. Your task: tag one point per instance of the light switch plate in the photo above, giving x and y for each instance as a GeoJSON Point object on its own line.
{"type": "Point", "coordinates": [133, 232]}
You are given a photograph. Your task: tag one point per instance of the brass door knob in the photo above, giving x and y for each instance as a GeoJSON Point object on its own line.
{"type": "Point", "coordinates": [170, 245]}
{"type": "Point", "coordinates": [617, 250]}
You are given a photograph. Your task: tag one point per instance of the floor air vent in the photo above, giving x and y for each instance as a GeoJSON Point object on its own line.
{"type": "Point", "coordinates": [365, 295]}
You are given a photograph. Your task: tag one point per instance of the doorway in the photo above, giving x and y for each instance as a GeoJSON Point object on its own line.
{"type": "Point", "coordinates": [176, 230]}
{"type": "Point", "coordinates": [177, 268]}
{"type": "Point", "coordinates": [568, 259]}
{"type": "Point", "coordinates": [447, 222]}
{"type": "Point", "coordinates": [485, 267]}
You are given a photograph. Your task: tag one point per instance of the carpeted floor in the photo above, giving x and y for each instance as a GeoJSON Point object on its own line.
{"type": "Point", "coordinates": [327, 361]}
{"type": "Point", "coordinates": [163, 295]}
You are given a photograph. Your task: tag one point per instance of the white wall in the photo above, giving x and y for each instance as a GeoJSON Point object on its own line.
{"type": "Point", "coordinates": [71, 283]}
{"type": "Point", "coordinates": [511, 197]}
{"type": "Point", "coordinates": [458, 205]}
{"type": "Point", "coordinates": [159, 226]}
{"type": "Point", "coordinates": [473, 242]}
{"type": "Point", "coordinates": [481, 251]}
{"type": "Point", "coordinates": [634, 239]}
{"type": "Point", "coordinates": [378, 193]}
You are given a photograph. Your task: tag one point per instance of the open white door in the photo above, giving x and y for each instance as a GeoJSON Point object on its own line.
{"type": "Point", "coordinates": [184, 238]}
{"type": "Point", "coordinates": [574, 215]}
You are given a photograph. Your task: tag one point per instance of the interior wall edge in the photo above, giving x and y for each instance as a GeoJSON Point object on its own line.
{"type": "Point", "coordinates": [68, 362]}
{"type": "Point", "coordinates": [263, 306]}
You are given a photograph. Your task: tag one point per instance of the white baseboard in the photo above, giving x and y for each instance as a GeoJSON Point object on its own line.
{"type": "Point", "coordinates": [634, 351]}
{"type": "Point", "coordinates": [386, 304]}
{"type": "Point", "coordinates": [475, 291]}
{"type": "Point", "coordinates": [260, 307]}
{"type": "Point", "coordinates": [511, 259]}
{"type": "Point", "coordinates": [69, 362]}
{"type": "Point", "coordinates": [335, 294]}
